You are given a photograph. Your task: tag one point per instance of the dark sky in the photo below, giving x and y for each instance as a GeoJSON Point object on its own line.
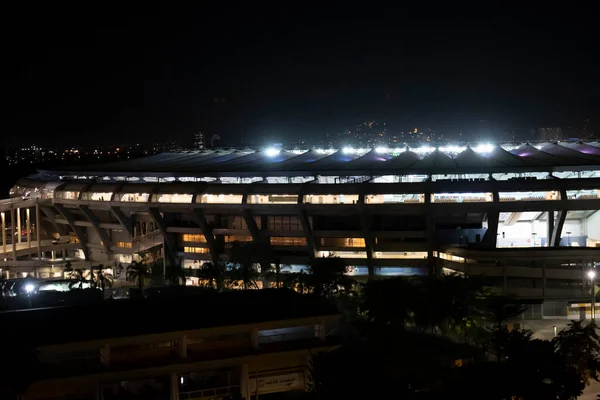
{"type": "Point", "coordinates": [264, 71]}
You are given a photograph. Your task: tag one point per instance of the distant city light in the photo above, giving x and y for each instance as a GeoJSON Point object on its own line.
{"type": "Point", "coordinates": [272, 152]}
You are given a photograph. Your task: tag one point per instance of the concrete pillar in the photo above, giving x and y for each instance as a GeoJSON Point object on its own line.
{"type": "Point", "coordinates": [182, 346]}
{"type": "Point", "coordinates": [105, 355]}
{"type": "Point", "coordinates": [244, 382]}
{"type": "Point", "coordinates": [174, 386]}
{"type": "Point", "coordinates": [254, 338]}
{"type": "Point", "coordinates": [320, 331]}
{"type": "Point", "coordinates": [12, 229]}
{"type": "Point", "coordinates": [37, 231]}
{"type": "Point", "coordinates": [505, 280]}
{"type": "Point", "coordinates": [544, 280]}
{"type": "Point", "coordinates": [28, 226]}
{"type": "Point", "coordinates": [549, 228]}
{"type": "Point", "coordinates": [3, 232]}
{"type": "Point", "coordinates": [19, 225]}
{"type": "Point", "coordinates": [53, 255]}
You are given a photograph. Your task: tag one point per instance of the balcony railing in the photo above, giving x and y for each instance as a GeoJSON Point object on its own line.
{"type": "Point", "coordinates": [209, 393]}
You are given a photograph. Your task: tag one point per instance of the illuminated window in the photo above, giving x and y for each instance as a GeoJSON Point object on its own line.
{"type": "Point", "coordinates": [126, 245]}
{"type": "Point", "coordinates": [394, 198]}
{"type": "Point", "coordinates": [220, 199]}
{"type": "Point", "coordinates": [583, 194]}
{"type": "Point", "coordinates": [529, 196]}
{"type": "Point", "coordinates": [343, 242]}
{"type": "Point", "coordinates": [237, 238]}
{"type": "Point", "coordinates": [331, 199]}
{"type": "Point", "coordinates": [284, 223]}
{"type": "Point", "coordinates": [97, 196]}
{"type": "Point", "coordinates": [67, 195]}
{"type": "Point", "coordinates": [173, 198]}
{"type": "Point", "coordinates": [272, 199]}
{"type": "Point", "coordinates": [134, 197]}
{"type": "Point", "coordinates": [196, 250]}
{"type": "Point", "coordinates": [288, 241]}
{"type": "Point", "coordinates": [190, 237]}
{"type": "Point", "coordinates": [461, 197]}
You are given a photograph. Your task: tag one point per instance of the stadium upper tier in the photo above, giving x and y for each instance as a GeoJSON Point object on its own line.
{"type": "Point", "coordinates": [541, 157]}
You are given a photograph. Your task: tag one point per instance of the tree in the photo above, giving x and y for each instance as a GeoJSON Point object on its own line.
{"type": "Point", "coordinates": [388, 302]}
{"type": "Point", "coordinates": [138, 272]}
{"type": "Point", "coordinates": [175, 274]}
{"type": "Point", "coordinates": [214, 274]}
{"type": "Point", "coordinates": [274, 273]}
{"type": "Point", "coordinates": [502, 309]}
{"type": "Point", "coordinates": [101, 278]}
{"type": "Point", "coordinates": [579, 346]}
{"type": "Point", "coordinates": [244, 256]}
{"type": "Point", "coordinates": [327, 276]}
{"type": "Point", "coordinates": [78, 277]}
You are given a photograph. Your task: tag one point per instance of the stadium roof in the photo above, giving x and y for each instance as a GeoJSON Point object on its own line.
{"type": "Point", "coordinates": [404, 160]}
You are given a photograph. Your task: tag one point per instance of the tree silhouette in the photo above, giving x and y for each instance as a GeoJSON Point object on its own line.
{"type": "Point", "coordinates": [138, 272]}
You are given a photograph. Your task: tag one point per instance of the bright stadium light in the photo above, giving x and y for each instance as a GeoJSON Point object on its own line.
{"type": "Point", "coordinates": [382, 150]}
{"type": "Point", "coordinates": [347, 150]}
{"type": "Point", "coordinates": [272, 152]}
{"type": "Point", "coordinates": [484, 148]}
{"type": "Point", "coordinates": [452, 149]}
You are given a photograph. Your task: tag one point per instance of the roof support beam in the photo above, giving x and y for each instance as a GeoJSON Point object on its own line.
{"type": "Point", "coordinates": [123, 219]}
{"type": "Point", "coordinates": [79, 232]}
{"type": "Point", "coordinates": [102, 233]}
{"type": "Point", "coordinates": [549, 228]}
{"type": "Point", "coordinates": [263, 246]}
{"type": "Point", "coordinates": [308, 234]}
{"type": "Point", "coordinates": [169, 245]}
{"type": "Point", "coordinates": [367, 233]}
{"type": "Point", "coordinates": [58, 227]}
{"type": "Point", "coordinates": [208, 233]}
{"type": "Point", "coordinates": [489, 238]}
{"type": "Point", "coordinates": [558, 227]}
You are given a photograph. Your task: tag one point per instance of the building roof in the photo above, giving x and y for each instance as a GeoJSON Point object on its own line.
{"type": "Point", "coordinates": [443, 160]}
{"type": "Point", "coordinates": [121, 318]}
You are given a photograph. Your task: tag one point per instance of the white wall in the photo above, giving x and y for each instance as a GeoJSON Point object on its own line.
{"type": "Point", "coordinates": [593, 226]}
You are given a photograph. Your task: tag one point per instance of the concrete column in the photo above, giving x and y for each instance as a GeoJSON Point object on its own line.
{"type": "Point", "coordinates": [505, 280]}
{"type": "Point", "coordinates": [12, 229]}
{"type": "Point", "coordinates": [549, 228]}
{"type": "Point", "coordinates": [19, 225]}
{"type": "Point", "coordinates": [544, 280]}
{"type": "Point", "coordinates": [105, 355]}
{"type": "Point", "coordinates": [320, 331]}
{"type": "Point", "coordinates": [244, 382]}
{"type": "Point", "coordinates": [53, 255]}
{"type": "Point", "coordinates": [37, 231]}
{"type": "Point", "coordinates": [174, 386]}
{"type": "Point", "coordinates": [182, 346]}
{"type": "Point", "coordinates": [254, 338]}
{"type": "Point", "coordinates": [3, 232]}
{"type": "Point", "coordinates": [28, 226]}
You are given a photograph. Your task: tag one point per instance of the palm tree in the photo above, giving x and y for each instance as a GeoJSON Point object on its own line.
{"type": "Point", "coordinates": [138, 271]}
{"type": "Point", "coordinates": [214, 274]}
{"type": "Point", "coordinates": [104, 279]}
{"type": "Point", "coordinates": [78, 277]}
{"type": "Point", "coordinates": [274, 274]}
{"type": "Point", "coordinates": [245, 256]}
{"type": "Point", "coordinates": [327, 276]}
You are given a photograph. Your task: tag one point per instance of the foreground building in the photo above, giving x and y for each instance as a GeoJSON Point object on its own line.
{"type": "Point", "coordinates": [525, 216]}
{"type": "Point", "coordinates": [244, 345]}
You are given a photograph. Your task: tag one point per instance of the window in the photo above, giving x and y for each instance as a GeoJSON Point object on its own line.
{"type": "Point", "coordinates": [220, 199]}
{"type": "Point", "coordinates": [288, 241]}
{"type": "Point", "coordinates": [67, 195]}
{"type": "Point", "coordinates": [284, 223]}
{"type": "Point", "coordinates": [237, 238]}
{"type": "Point", "coordinates": [343, 242]}
{"type": "Point", "coordinates": [394, 198]}
{"type": "Point", "coordinates": [583, 194]}
{"type": "Point", "coordinates": [461, 197]}
{"type": "Point", "coordinates": [97, 196]}
{"type": "Point", "coordinates": [197, 250]}
{"type": "Point", "coordinates": [273, 199]}
{"type": "Point", "coordinates": [134, 197]}
{"type": "Point", "coordinates": [172, 198]}
{"type": "Point", "coordinates": [331, 199]}
{"type": "Point", "coordinates": [125, 245]}
{"type": "Point", "coordinates": [529, 196]}
{"type": "Point", "coordinates": [189, 237]}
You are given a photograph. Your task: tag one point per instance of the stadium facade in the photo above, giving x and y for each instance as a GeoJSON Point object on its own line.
{"type": "Point", "coordinates": [523, 215]}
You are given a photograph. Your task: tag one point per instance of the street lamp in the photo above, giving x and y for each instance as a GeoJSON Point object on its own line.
{"type": "Point", "coordinates": [592, 276]}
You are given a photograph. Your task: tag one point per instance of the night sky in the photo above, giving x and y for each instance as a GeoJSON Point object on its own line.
{"type": "Point", "coordinates": [106, 76]}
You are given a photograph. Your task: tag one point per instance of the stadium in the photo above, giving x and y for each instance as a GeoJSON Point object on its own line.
{"type": "Point", "coordinates": [524, 216]}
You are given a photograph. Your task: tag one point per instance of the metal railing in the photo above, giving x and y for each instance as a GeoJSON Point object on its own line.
{"type": "Point", "coordinates": [208, 393]}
